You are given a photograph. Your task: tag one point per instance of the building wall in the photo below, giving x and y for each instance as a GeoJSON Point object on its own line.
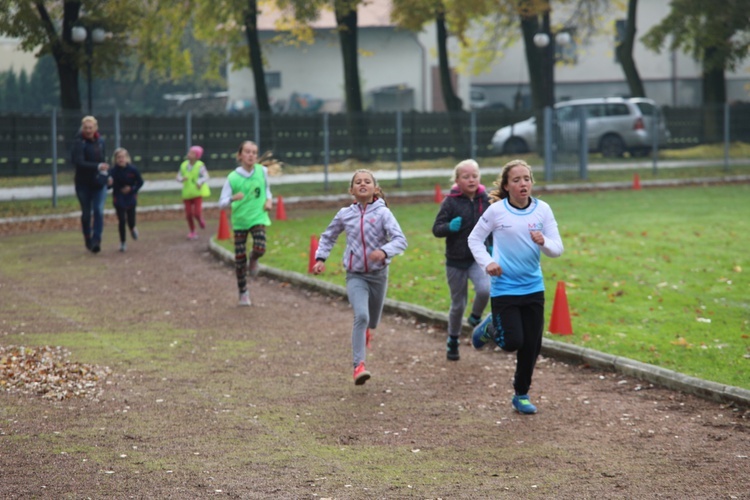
{"type": "Point", "coordinates": [387, 57]}
{"type": "Point", "coordinates": [12, 57]}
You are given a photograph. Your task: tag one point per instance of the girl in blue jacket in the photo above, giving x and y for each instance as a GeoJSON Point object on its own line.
{"type": "Point", "coordinates": [373, 238]}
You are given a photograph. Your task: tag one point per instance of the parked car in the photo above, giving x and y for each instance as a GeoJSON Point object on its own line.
{"type": "Point", "coordinates": [614, 125]}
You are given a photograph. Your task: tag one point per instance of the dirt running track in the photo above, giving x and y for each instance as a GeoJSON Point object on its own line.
{"type": "Point", "coordinates": [207, 399]}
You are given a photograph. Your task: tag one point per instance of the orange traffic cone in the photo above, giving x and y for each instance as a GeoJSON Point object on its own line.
{"type": "Point", "coordinates": [224, 231]}
{"type": "Point", "coordinates": [313, 249]}
{"type": "Point", "coordinates": [560, 321]}
{"type": "Point", "coordinates": [438, 194]}
{"type": "Point", "coordinates": [280, 210]}
{"type": "Point", "coordinates": [636, 181]}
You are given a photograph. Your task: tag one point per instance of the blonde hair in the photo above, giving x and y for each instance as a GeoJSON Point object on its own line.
{"type": "Point", "coordinates": [465, 163]}
{"type": "Point", "coordinates": [117, 152]}
{"type": "Point", "coordinates": [90, 119]}
{"type": "Point", "coordinates": [502, 180]}
{"type": "Point", "coordinates": [378, 190]}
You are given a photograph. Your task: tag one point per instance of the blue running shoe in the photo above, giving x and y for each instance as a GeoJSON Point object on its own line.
{"type": "Point", "coordinates": [483, 333]}
{"type": "Point", "coordinates": [523, 405]}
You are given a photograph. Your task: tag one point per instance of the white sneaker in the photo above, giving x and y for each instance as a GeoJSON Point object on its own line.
{"type": "Point", "coordinates": [245, 298]}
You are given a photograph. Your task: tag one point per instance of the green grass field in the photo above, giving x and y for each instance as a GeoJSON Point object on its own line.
{"type": "Point", "coordinates": [657, 275]}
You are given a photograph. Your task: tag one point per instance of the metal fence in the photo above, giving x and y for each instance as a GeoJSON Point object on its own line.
{"type": "Point", "coordinates": [39, 144]}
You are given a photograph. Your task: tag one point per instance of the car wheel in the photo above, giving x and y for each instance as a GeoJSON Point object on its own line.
{"type": "Point", "coordinates": [515, 145]}
{"type": "Point", "coordinates": [611, 146]}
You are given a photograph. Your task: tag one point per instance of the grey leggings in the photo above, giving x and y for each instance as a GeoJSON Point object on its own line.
{"type": "Point", "coordinates": [458, 283]}
{"type": "Point", "coordinates": [366, 293]}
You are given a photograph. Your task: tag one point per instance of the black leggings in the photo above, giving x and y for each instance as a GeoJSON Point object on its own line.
{"type": "Point", "coordinates": [125, 215]}
{"type": "Point", "coordinates": [240, 251]}
{"type": "Point", "coordinates": [519, 324]}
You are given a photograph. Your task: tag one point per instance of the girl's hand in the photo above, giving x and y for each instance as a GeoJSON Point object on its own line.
{"type": "Point", "coordinates": [377, 256]}
{"type": "Point", "coordinates": [494, 269]}
{"type": "Point", "coordinates": [238, 196]}
{"type": "Point", "coordinates": [537, 237]}
{"type": "Point", "coordinates": [268, 205]}
{"type": "Point", "coordinates": [125, 190]}
{"type": "Point", "coordinates": [318, 267]}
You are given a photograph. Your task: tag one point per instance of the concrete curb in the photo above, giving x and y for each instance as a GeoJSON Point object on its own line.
{"type": "Point", "coordinates": [650, 373]}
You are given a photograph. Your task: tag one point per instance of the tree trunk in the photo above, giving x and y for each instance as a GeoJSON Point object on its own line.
{"type": "Point", "coordinates": [714, 96]}
{"type": "Point", "coordinates": [625, 54]}
{"type": "Point", "coordinates": [540, 65]}
{"type": "Point", "coordinates": [453, 103]}
{"type": "Point", "coordinates": [529, 28]}
{"type": "Point", "coordinates": [64, 50]}
{"type": "Point", "coordinates": [346, 21]}
{"type": "Point", "coordinates": [256, 58]}
{"type": "Point", "coordinates": [262, 104]}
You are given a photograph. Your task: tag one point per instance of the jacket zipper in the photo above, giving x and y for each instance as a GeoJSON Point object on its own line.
{"type": "Point", "coordinates": [362, 211]}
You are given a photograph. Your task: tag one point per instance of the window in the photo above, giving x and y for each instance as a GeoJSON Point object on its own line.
{"type": "Point", "coordinates": [617, 110]}
{"type": "Point", "coordinates": [273, 79]}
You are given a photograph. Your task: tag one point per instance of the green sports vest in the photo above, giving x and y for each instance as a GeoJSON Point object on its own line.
{"type": "Point", "coordinates": [190, 189]}
{"type": "Point", "coordinates": [248, 211]}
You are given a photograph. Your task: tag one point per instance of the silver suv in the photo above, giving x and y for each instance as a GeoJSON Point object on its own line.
{"type": "Point", "coordinates": [614, 125]}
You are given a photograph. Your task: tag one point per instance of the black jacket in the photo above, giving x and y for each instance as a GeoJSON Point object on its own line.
{"type": "Point", "coordinates": [456, 204]}
{"type": "Point", "coordinates": [86, 155]}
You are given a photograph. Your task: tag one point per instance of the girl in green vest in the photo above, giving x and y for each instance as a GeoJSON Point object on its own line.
{"type": "Point", "coordinates": [194, 178]}
{"type": "Point", "coordinates": [248, 193]}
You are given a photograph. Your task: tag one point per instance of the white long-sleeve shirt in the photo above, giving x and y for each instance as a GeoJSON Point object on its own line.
{"type": "Point", "coordinates": [513, 249]}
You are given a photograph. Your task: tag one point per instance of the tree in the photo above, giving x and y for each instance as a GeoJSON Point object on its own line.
{"type": "Point", "coordinates": [714, 35]}
{"type": "Point", "coordinates": [536, 17]}
{"type": "Point", "coordinates": [624, 51]}
{"type": "Point", "coordinates": [305, 11]}
{"type": "Point", "coordinates": [11, 92]}
{"type": "Point", "coordinates": [44, 85]}
{"type": "Point", "coordinates": [451, 18]}
{"type": "Point", "coordinates": [23, 92]}
{"type": "Point", "coordinates": [47, 26]}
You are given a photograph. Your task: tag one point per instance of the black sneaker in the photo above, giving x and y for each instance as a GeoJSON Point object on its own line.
{"type": "Point", "coordinates": [452, 349]}
{"type": "Point", "coordinates": [95, 247]}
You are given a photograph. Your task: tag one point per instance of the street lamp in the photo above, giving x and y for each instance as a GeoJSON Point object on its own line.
{"type": "Point", "coordinates": [88, 36]}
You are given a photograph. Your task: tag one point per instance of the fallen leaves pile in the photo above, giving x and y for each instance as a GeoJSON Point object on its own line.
{"type": "Point", "coordinates": [46, 371]}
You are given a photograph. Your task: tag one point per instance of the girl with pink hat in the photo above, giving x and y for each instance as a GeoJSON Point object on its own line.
{"type": "Point", "coordinates": [193, 175]}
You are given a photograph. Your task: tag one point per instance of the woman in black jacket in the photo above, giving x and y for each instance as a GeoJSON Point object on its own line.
{"type": "Point", "coordinates": [89, 159]}
{"type": "Point", "coordinates": [458, 214]}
